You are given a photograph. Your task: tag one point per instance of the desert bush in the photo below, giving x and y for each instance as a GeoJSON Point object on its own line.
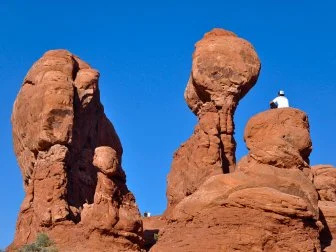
{"type": "Point", "coordinates": [43, 240]}
{"type": "Point", "coordinates": [30, 248]}
{"type": "Point", "coordinates": [42, 244]}
{"type": "Point", "coordinates": [49, 249]}
{"type": "Point", "coordinates": [156, 237]}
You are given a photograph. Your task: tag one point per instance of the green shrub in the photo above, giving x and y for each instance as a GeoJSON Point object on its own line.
{"type": "Point", "coordinates": [42, 244]}
{"type": "Point", "coordinates": [43, 240]}
{"type": "Point", "coordinates": [156, 237]}
{"type": "Point", "coordinates": [30, 248]}
{"type": "Point", "coordinates": [49, 249]}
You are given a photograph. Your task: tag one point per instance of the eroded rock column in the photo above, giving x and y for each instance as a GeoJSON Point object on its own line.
{"type": "Point", "coordinates": [70, 158]}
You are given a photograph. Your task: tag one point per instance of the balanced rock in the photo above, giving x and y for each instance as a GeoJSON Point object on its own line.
{"type": "Point", "coordinates": [224, 69]}
{"type": "Point", "coordinates": [70, 158]}
{"type": "Point", "coordinates": [265, 205]}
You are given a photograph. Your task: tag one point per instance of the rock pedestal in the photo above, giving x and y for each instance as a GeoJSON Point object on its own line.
{"type": "Point", "coordinates": [224, 69]}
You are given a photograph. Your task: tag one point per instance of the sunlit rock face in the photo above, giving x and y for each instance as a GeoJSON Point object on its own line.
{"type": "Point", "coordinates": [279, 137]}
{"type": "Point", "coordinates": [70, 158]}
{"type": "Point", "coordinates": [268, 204]}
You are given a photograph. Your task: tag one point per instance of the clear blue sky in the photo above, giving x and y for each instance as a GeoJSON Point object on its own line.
{"type": "Point", "coordinates": [143, 52]}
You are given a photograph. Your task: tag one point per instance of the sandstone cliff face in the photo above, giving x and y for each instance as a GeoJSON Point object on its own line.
{"type": "Point", "coordinates": [224, 69]}
{"type": "Point", "coordinates": [266, 205]}
{"type": "Point", "coordinates": [70, 158]}
{"type": "Point", "coordinates": [324, 178]}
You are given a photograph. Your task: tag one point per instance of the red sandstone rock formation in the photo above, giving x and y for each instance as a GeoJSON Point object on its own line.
{"type": "Point", "coordinates": [70, 158]}
{"type": "Point", "coordinates": [324, 178]}
{"type": "Point", "coordinates": [268, 204]}
{"type": "Point", "coordinates": [224, 69]}
{"type": "Point", "coordinates": [280, 139]}
{"type": "Point", "coordinates": [325, 181]}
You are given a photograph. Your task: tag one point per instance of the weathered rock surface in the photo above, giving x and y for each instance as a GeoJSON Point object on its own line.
{"type": "Point", "coordinates": [279, 138]}
{"type": "Point", "coordinates": [70, 158]}
{"type": "Point", "coordinates": [224, 68]}
{"type": "Point", "coordinates": [324, 179]}
{"type": "Point", "coordinates": [328, 218]}
{"type": "Point", "coordinates": [268, 204]}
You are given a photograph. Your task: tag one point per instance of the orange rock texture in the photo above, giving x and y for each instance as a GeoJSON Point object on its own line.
{"type": "Point", "coordinates": [271, 200]}
{"type": "Point", "coordinates": [70, 158]}
{"type": "Point", "coordinates": [264, 205]}
{"type": "Point", "coordinates": [224, 68]}
{"type": "Point", "coordinates": [324, 178]}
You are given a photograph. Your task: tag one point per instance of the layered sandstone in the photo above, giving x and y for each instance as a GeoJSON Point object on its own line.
{"type": "Point", "coordinates": [70, 158]}
{"type": "Point", "coordinates": [224, 68]}
{"type": "Point", "coordinates": [268, 204]}
{"type": "Point", "coordinates": [324, 178]}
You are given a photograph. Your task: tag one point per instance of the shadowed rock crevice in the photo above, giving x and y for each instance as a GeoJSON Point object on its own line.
{"type": "Point", "coordinates": [82, 175]}
{"type": "Point", "coordinates": [223, 157]}
{"type": "Point", "coordinates": [325, 234]}
{"type": "Point", "coordinates": [75, 69]}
